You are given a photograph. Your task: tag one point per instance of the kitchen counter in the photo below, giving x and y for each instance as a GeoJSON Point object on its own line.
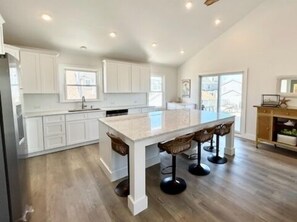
{"type": "Point", "coordinates": [141, 132]}
{"type": "Point", "coordinates": [62, 112]}
{"type": "Point", "coordinates": [57, 112]}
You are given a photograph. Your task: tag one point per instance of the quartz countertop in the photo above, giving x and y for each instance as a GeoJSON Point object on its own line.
{"type": "Point", "coordinates": [62, 112]}
{"type": "Point", "coordinates": [145, 125]}
{"type": "Point", "coordinates": [57, 112]}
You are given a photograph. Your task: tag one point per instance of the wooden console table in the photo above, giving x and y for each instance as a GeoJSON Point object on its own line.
{"type": "Point", "coordinates": [271, 121]}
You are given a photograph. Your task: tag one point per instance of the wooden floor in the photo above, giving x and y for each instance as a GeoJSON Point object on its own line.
{"type": "Point", "coordinates": [255, 185]}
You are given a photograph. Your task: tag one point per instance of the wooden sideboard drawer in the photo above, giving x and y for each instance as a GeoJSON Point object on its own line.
{"type": "Point", "coordinates": [285, 112]}
{"type": "Point", "coordinates": [265, 110]}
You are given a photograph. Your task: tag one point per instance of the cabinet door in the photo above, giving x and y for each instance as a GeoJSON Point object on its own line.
{"type": "Point", "coordinates": [30, 72]}
{"type": "Point", "coordinates": [145, 75]}
{"type": "Point", "coordinates": [110, 77]}
{"type": "Point", "coordinates": [264, 127]}
{"type": "Point", "coordinates": [52, 142]}
{"type": "Point", "coordinates": [34, 134]}
{"type": "Point", "coordinates": [134, 111]}
{"type": "Point", "coordinates": [135, 78]}
{"type": "Point", "coordinates": [92, 129]}
{"type": "Point", "coordinates": [124, 77]}
{"type": "Point", "coordinates": [48, 73]}
{"type": "Point", "coordinates": [76, 132]}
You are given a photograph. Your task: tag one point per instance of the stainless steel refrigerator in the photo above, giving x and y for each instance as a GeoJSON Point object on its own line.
{"type": "Point", "coordinates": [14, 186]}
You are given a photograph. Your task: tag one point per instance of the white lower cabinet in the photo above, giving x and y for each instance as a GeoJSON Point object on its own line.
{"type": "Point", "coordinates": [34, 131]}
{"type": "Point", "coordinates": [60, 131]}
{"type": "Point", "coordinates": [54, 131]}
{"type": "Point", "coordinates": [92, 129]}
{"type": "Point", "coordinates": [76, 132]}
{"type": "Point", "coordinates": [82, 127]}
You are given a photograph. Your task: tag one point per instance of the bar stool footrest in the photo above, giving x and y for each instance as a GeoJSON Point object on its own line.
{"type": "Point", "coordinates": [170, 186]}
{"type": "Point", "coordinates": [199, 170]}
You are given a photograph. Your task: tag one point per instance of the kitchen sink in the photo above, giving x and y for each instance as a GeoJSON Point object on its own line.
{"type": "Point", "coordinates": [82, 110]}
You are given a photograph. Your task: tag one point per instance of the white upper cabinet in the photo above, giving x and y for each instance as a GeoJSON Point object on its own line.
{"type": "Point", "coordinates": [38, 72]}
{"type": "Point", "coordinates": [110, 70]}
{"type": "Point", "coordinates": [1, 36]}
{"type": "Point", "coordinates": [48, 73]}
{"type": "Point", "coordinates": [124, 77]}
{"type": "Point", "coordinates": [140, 78]}
{"type": "Point", "coordinates": [30, 72]}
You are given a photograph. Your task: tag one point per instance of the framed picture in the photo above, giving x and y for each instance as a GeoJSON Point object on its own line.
{"type": "Point", "coordinates": [186, 88]}
{"type": "Point", "coordinates": [270, 100]}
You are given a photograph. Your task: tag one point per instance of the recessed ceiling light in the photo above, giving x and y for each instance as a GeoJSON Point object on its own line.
{"type": "Point", "coordinates": [189, 5]}
{"type": "Point", "coordinates": [112, 34]}
{"type": "Point", "coordinates": [154, 44]}
{"type": "Point", "coordinates": [182, 52]}
{"type": "Point", "coordinates": [46, 17]}
{"type": "Point", "coordinates": [217, 21]}
{"type": "Point", "coordinates": [83, 47]}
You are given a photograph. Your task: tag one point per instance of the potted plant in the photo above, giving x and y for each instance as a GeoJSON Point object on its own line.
{"type": "Point", "coordinates": [287, 136]}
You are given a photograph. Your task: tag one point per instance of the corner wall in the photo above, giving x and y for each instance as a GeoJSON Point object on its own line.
{"type": "Point", "coordinates": [264, 43]}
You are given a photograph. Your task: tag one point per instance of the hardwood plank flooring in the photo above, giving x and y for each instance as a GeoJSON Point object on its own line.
{"type": "Point", "coordinates": [255, 185]}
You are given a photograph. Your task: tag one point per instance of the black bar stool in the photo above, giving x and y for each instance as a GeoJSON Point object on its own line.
{"type": "Point", "coordinates": [201, 136]}
{"type": "Point", "coordinates": [220, 130]}
{"type": "Point", "coordinates": [118, 145]}
{"type": "Point", "coordinates": [173, 184]}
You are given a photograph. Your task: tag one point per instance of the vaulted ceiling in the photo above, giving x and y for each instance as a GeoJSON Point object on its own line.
{"type": "Point", "coordinates": [137, 24]}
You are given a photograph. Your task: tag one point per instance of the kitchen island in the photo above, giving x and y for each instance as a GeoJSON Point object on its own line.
{"type": "Point", "coordinates": [142, 132]}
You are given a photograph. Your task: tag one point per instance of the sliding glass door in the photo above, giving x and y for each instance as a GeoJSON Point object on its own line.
{"type": "Point", "coordinates": [223, 93]}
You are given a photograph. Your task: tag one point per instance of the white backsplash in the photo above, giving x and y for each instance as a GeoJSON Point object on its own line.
{"type": "Point", "coordinates": [51, 102]}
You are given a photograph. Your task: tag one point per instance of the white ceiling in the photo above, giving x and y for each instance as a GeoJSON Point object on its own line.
{"type": "Point", "coordinates": [138, 23]}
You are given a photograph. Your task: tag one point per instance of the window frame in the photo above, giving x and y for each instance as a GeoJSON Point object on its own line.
{"type": "Point", "coordinates": [62, 77]}
{"type": "Point", "coordinates": [162, 91]}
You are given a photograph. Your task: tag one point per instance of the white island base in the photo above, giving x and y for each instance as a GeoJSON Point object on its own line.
{"type": "Point", "coordinates": [142, 132]}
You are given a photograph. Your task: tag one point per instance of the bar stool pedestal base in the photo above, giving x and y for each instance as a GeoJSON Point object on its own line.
{"type": "Point", "coordinates": [170, 186]}
{"type": "Point", "coordinates": [122, 189]}
{"type": "Point", "coordinates": [217, 159]}
{"type": "Point", "coordinates": [199, 170]}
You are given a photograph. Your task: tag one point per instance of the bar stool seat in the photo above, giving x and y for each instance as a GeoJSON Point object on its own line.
{"type": "Point", "coordinates": [118, 145]}
{"type": "Point", "coordinates": [201, 136]}
{"type": "Point", "coordinates": [220, 130]}
{"type": "Point", "coordinates": [173, 184]}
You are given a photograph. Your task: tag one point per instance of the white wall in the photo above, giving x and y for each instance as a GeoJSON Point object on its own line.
{"type": "Point", "coordinates": [170, 74]}
{"type": "Point", "coordinates": [39, 102]}
{"type": "Point", "coordinates": [264, 42]}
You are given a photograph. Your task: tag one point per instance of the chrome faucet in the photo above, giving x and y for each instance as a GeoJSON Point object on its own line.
{"type": "Point", "coordinates": [83, 100]}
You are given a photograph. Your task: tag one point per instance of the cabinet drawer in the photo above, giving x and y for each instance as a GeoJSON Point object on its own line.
{"type": "Point", "coordinates": [286, 112]}
{"type": "Point", "coordinates": [133, 111]}
{"type": "Point", "coordinates": [54, 119]}
{"type": "Point", "coordinates": [54, 142]}
{"type": "Point", "coordinates": [95, 115]}
{"type": "Point", "coordinates": [54, 129]}
{"type": "Point", "coordinates": [264, 110]}
{"type": "Point", "coordinates": [77, 116]}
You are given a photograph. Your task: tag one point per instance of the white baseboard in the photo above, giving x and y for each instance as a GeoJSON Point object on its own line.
{"type": "Point", "coordinates": [43, 152]}
{"type": "Point", "coordinates": [247, 136]}
{"type": "Point", "coordinates": [122, 172]}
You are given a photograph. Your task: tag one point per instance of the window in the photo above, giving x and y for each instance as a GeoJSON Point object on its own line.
{"type": "Point", "coordinates": [224, 93]}
{"type": "Point", "coordinates": [156, 95]}
{"type": "Point", "coordinates": [80, 83]}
